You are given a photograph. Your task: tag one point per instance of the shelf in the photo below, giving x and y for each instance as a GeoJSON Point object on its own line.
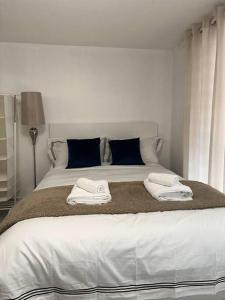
{"type": "Point", "coordinates": [4, 178]}
{"type": "Point", "coordinates": [4, 157]}
{"type": "Point", "coordinates": [6, 152]}
{"type": "Point", "coordinates": [6, 205]}
{"type": "Point", "coordinates": [5, 198]}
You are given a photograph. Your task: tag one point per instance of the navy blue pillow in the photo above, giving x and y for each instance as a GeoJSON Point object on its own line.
{"type": "Point", "coordinates": [126, 152]}
{"type": "Point", "coordinates": [83, 153]}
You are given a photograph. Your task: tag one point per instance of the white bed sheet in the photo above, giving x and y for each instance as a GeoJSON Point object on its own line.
{"type": "Point", "coordinates": [60, 176]}
{"type": "Point", "coordinates": [130, 256]}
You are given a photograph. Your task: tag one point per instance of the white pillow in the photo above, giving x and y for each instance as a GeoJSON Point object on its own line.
{"type": "Point", "coordinates": [149, 147]}
{"type": "Point", "coordinates": [58, 151]}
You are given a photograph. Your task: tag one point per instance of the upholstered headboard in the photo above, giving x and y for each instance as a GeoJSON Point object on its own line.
{"type": "Point", "coordinates": [91, 130]}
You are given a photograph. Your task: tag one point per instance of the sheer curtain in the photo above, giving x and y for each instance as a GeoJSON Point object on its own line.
{"type": "Point", "coordinates": [204, 136]}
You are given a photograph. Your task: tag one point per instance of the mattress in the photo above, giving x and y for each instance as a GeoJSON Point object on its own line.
{"type": "Point", "coordinates": [60, 176]}
{"type": "Point", "coordinates": [131, 256]}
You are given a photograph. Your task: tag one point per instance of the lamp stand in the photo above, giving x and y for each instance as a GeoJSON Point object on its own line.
{"type": "Point", "coordinates": [33, 134]}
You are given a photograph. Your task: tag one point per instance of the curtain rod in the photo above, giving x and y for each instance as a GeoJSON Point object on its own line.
{"type": "Point", "coordinates": [212, 22]}
{"type": "Point", "coordinates": [189, 31]}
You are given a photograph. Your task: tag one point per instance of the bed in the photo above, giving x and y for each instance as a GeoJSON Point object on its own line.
{"type": "Point", "coordinates": [160, 255]}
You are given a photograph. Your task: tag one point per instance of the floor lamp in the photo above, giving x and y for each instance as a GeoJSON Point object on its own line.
{"type": "Point", "coordinates": [32, 115]}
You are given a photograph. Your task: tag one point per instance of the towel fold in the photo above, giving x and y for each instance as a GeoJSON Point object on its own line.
{"type": "Point", "coordinates": [93, 186]}
{"type": "Point", "coordinates": [164, 179]}
{"type": "Point", "coordinates": [178, 192]}
{"type": "Point", "coordinates": [79, 195]}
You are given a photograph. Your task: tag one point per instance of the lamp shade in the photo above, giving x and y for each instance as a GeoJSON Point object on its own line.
{"type": "Point", "coordinates": [32, 113]}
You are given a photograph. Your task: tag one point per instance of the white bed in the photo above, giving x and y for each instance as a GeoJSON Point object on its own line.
{"type": "Point", "coordinates": [60, 176]}
{"type": "Point", "coordinates": [131, 256]}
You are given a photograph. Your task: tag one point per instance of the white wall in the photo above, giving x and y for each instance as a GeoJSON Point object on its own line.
{"type": "Point", "coordinates": [178, 109]}
{"type": "Point", "coordinates": [88, 84]}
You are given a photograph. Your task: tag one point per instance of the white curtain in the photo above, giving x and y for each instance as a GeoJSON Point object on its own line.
{"type": "Point", "coordinates": [204, 136]}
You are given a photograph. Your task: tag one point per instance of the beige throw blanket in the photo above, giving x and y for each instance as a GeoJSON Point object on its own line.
{"type": "Point", "coordinates": [127, 197]}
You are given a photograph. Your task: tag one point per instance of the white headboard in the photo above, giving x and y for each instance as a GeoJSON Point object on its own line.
{"type": "Point", "coordinates": [92, 130]}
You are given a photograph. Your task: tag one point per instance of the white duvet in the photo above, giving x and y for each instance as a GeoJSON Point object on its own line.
{"type": "Point", "coordinates": [142, 256]}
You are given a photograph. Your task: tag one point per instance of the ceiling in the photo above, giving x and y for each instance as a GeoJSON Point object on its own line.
{"type": "Point", "coordinates": [106, 23]}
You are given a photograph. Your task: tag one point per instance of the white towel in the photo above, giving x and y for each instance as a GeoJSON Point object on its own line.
{"type": "Point", "coordinates": [178, 192]}
{"type": "Point", "coordinates": [93, 186]}
{"type": "Point", "coordinates": [79, 195]}
{"type": "Point", "coordinates": [164, 179]}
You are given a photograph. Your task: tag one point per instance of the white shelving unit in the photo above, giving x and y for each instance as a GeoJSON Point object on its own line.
{"type": "Point", "coordinates": [7, 153]}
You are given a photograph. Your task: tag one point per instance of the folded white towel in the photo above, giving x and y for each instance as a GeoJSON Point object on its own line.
{"type": "Point", "coordinates": [79, 195]}
{"type": "Point", "coordinates": [178, 192]}
{"type": "Point", "coordinates": [164, 179]}
{"type": "Point", "coordinates": [93, 186]}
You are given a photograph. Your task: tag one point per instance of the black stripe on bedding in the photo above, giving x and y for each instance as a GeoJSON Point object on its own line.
{"type": "Point", "coordinates": [117, 289]}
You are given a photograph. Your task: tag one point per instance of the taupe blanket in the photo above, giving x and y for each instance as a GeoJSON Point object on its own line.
{"type": "Point", "coordinates": [127, 197]}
